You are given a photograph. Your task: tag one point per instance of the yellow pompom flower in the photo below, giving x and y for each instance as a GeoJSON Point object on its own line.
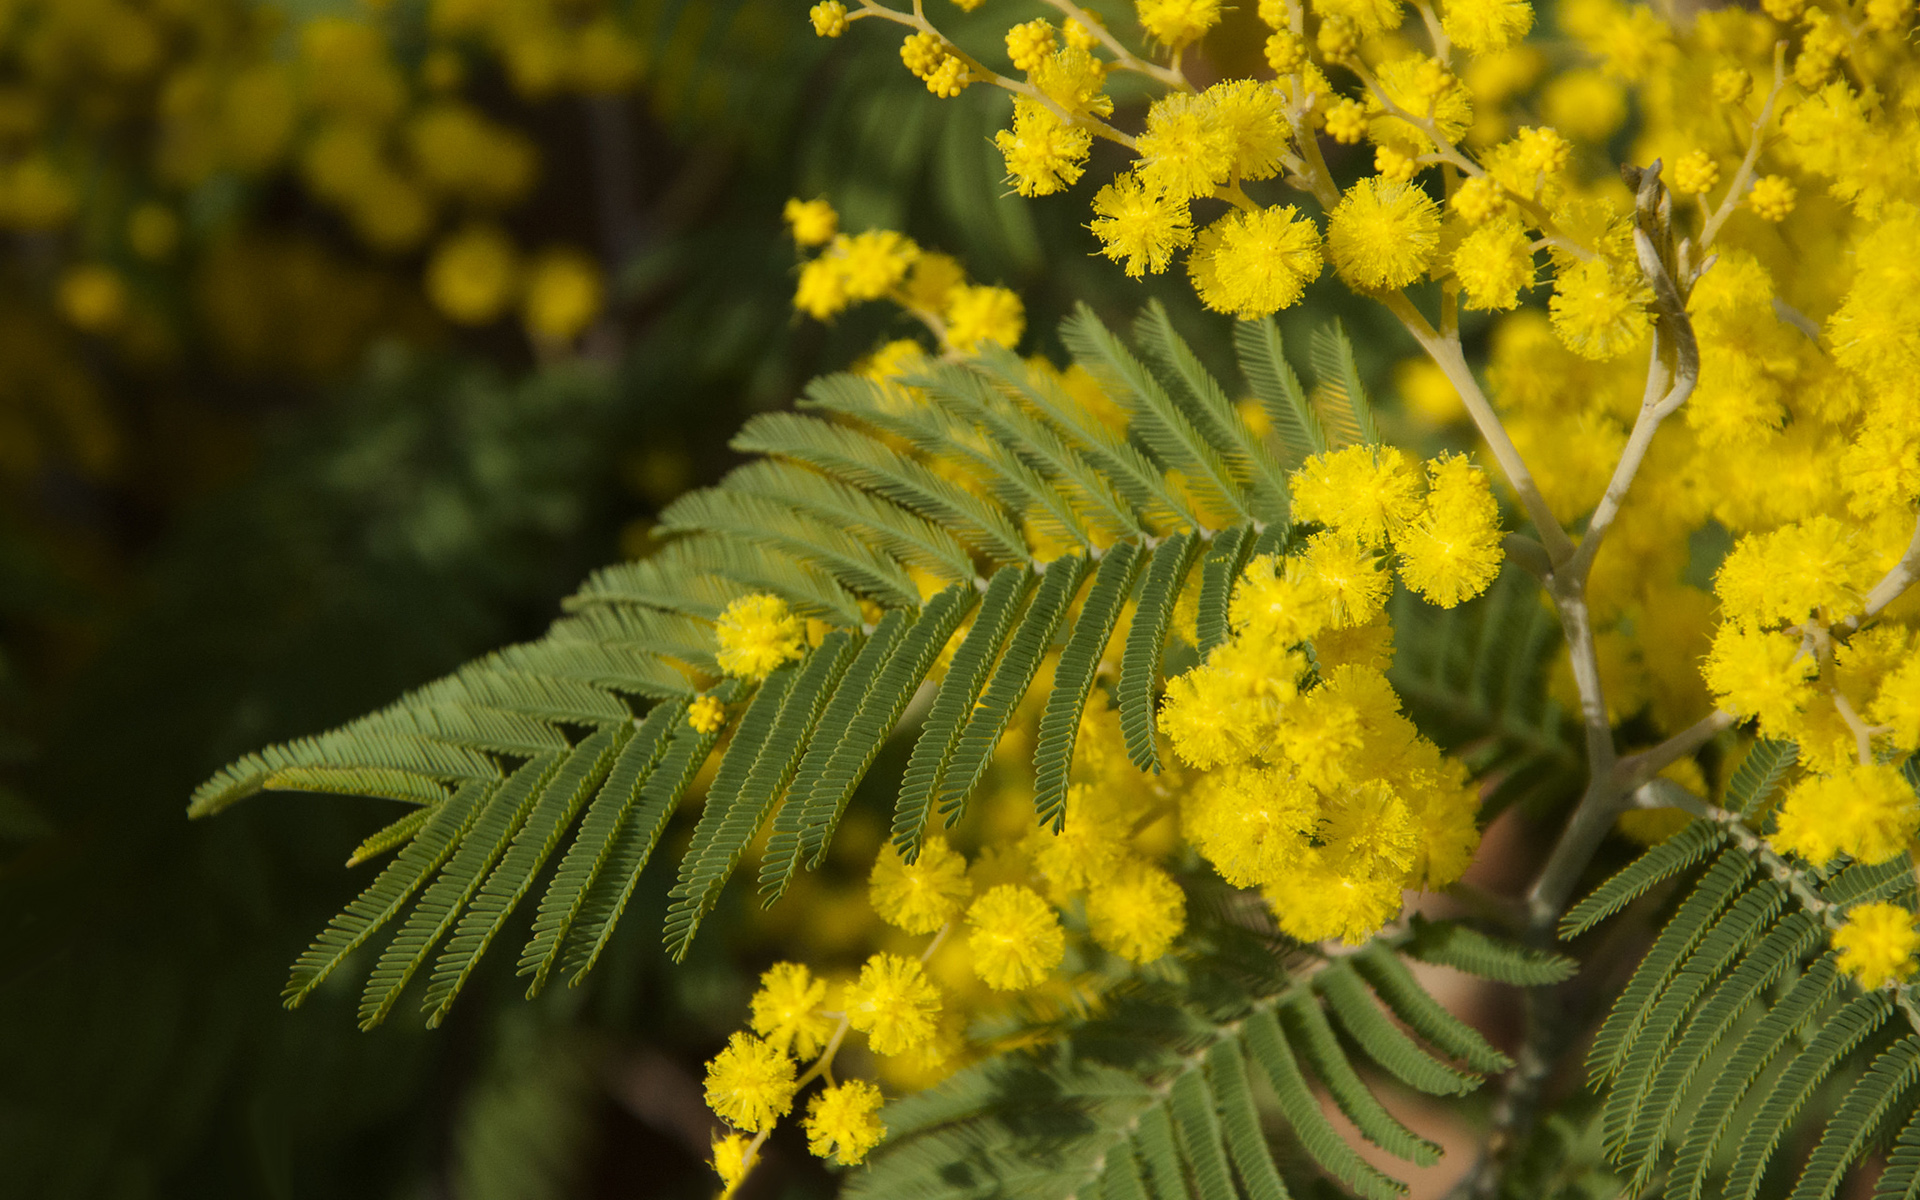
{"type": "Point", "coordinates": [1314, 903]}
{"type": "Point", "coordinates": [1185, 149]}
{"type": "Point", "coordinates": [1494, 264]}
{"type": "Point", "coordinates": [812, 222]}
{"type": "Point", "coordinates": [472, 275]}
{"type": "Point", "coordinates": [1138, 226]}
{"type": "Point", "coordinates": [1598, 311]}
{"type": "Point", "coordinates": [1254, 263]}
{"type": "Point", "coordinates": [1275, 601]}
{"type": "Point", "coordinates": [1866, 811]}
{"type": "Point", "coordinates": [757, 633]}
{"type": "Point", "coordinates": [822, 291]}
{"type": "Point", "coordinates": [1758, 674]}
{"type": "Point", "coordinates": [1044, 154]}
{"type": "Point", "coordinates": [874, 262]}
{"type": "Point", "coordinates": [1351, 573]}
{"type": "Point", "coordinates": [1877, 944]}
{"type": "Point", "coordinates": [1389, 163]}
{"type": "Point", "coordinates": [731, 1161]}
{"type": "Point", "coordinates": [750, 1084]}
{"type": "Point", "coordinates": [1073, 78]}
{"type": "Point", "coordinates": [1772, 198]}
{"type": "Point", "coordinates": [1201, 714]}
{"type": "Point", "coordinates": [786, 1010]}
{"type": "Point", "coordinates": [1137, 912]}
{"type": "Point", "coordinates": [923, 895]}
{"type": "Point", "coordinates": [1177, 22]}
{"type": "Point", "coordinates": [706, 714]}
{"type": "Point", "coordinates": [1383, 234]}
{"type": "Point", "coordinates": [1897, 704]}
{"type": "Point", "coordinates": [92, 297]}
{"type": "Point", "coordinates": [1252, 823]}
{"type": "Point", "coordinates": [844, 1121]}
{"type": "Point", "coordinates": [1088, 847]}
{"type": "Point", "coordinates": [1486, 26]}
{"type": "Point", "coordinates": [893, 1003]}
{"type": "Point", "coordinates": [1816, 567]}
{"type": "Point", "coordinates": [1370, 832]}
{"type": "Point", "coordinates": [1452, 552]}
{"type": "Point", "coordinates": [1369, 17]}
{"type": "Point", "coordinates": [1695, 173]}
{"type": "Point", "coordinates": [1029, 42]}
{"type": "Point", "coordinates": [1367, 491]}
{"type": "Point", "coordinates": [1014, 937]}
{"type": "Point", "coordinates": [1423, 87]}
{"type": "Point", "coordinates": [563, 296]}
{"type": "Point", "coordinates": [1254, 115]}
{"type": "Point", "coordinates": [978, 315]}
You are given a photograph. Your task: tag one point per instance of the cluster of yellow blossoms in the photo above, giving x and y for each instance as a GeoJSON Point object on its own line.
{"type": "Point", "coordinates": [365, 109]}
{"type": "Point", "coordinates": [882, 264]}
{"type": "Point", "coordinates": [1316, 789]}
{"type": "Point", "coordinates": [1758, 289]}
{"type": "Point", "coordinates": [1036, 920]}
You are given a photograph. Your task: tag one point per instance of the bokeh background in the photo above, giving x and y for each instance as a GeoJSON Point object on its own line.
{"type": "Point", "coordinates": [339, 339]}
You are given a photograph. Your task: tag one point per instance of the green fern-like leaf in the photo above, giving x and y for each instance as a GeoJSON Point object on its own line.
{"type": "Point", "coordinates": [575, 748]}
{"type": "Point", "coordinates": [1728, 1017]}
{"type": "Point", "coordinates": [595, 847]}
{"type": "Point", "coordinates": [1073, 680]}
{"type": "Point", "coordinates": [1155, 1096]}
{"type": "Point", "coordinates": [973, 751]}
{"type": "Point", "coordinates": [1277, 388]}
{"type": "Point", "coordinates": [959, 692]}
{"type": "Point", "coordinates": [1146, 640]}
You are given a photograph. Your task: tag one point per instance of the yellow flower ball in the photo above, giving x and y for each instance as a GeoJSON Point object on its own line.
{"type": "Point", "coordinates": [563, 295]}
{"type": "Point", "coordinates": [472, 275]}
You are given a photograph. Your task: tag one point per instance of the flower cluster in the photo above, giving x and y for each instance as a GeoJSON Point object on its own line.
{"type": "Point", "coordinates": [1316, 788]}
{"type": "Point", "coordinates": [752, 1083]}
{"type": "Point", "coordinates": [882, 264]}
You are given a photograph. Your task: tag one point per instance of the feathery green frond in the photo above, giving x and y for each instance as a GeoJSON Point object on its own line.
{"type": "Point", "coordinates": [1219, 571]}
{"type": "Point", "coordinates": [1073, 680]}
{"type": "Point", "coordinates": [1167, 431]}
{"type": "Point", "coordinates": [1273, 383]}
{"type": "Point", "coordinates": [1152, 1095]}
{"type": "Point", "coordinates": [492, 830]}
{"type": "Point", "coordinates": [1678, 853]}
{"type": "Point", "coordinates": [1345, 412]}
{"type": "Point", "coordinates": [1000, 608]}
{"type": "Point", "coordinates": [973, 750]}
{"type": "Point", "coordinates": [1868, 1102]}
{"type": "Point", "coordinates": [1146, 641]}
{"type": "Point", "coordinates": [1199, 395]}
{"type": "Point", "coordinates": [1451, 944]}
{"type": "Point", "coordinates": [656, 794]}
{"type": "Point", "coordinates": [384, 897]}
{"type": "Point", "coordinates": [1759, 773]}
{"type": "Point", "coordinates": [594, 846]}
{"type": "Point", "coordinates": [730, 822]}
{"type": "Point", "coordinates": [508, 883]}
{"type": "Point", "coordinates": [842, 452]}
{"type": "Point", "coordinates": [857, 743]}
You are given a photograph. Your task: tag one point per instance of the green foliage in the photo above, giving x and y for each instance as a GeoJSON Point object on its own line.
{"type": "Point", "coordinates": [1736, 1024]}
{"type": "Point", "coordinates": [1473, 676]}
{"type": "Point", "coordinates": [1162, 1093]}
{"type": "Point", "coordinates": [551, 743]}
